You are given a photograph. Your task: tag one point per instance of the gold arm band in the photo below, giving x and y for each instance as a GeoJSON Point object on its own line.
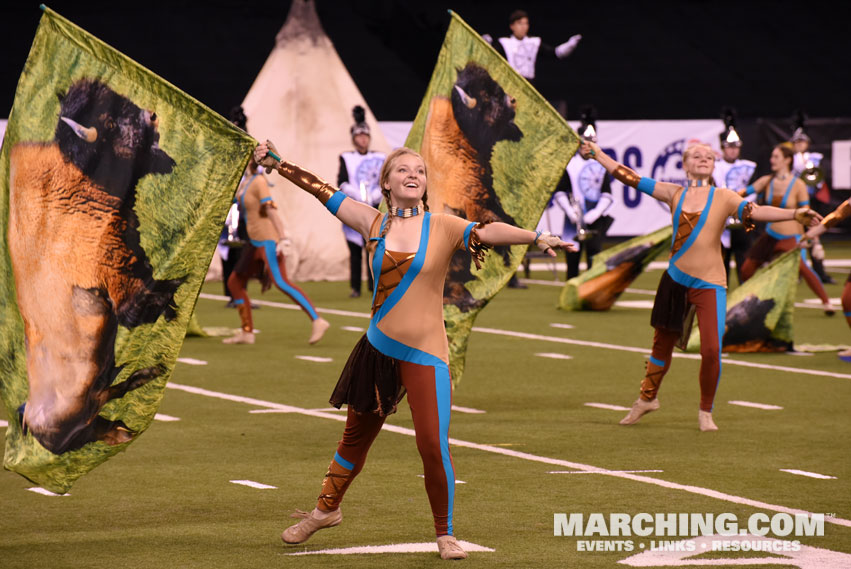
{"type": "Point", "coordinates": [626, 175]}
{"type": "Point", "coordinates": [307, 181]}
{"type": "Point", "coordinates": [837, 215]}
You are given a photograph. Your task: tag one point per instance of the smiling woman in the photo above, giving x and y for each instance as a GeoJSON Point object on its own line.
{"type": "Point", "coordinates": [405, 349]}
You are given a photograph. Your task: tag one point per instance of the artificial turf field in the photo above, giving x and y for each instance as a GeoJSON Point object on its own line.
{"type": "Point", "coordinates": [168, 501]}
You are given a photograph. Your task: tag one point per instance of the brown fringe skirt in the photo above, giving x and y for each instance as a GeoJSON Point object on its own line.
{"type": "Point", "coordinates": [369, 382]}
{"type": "Point", "coordinates": [671, 307]}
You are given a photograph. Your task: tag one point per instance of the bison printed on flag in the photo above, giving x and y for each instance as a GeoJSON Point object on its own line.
{"type": "Point", "coordinates": [114, 188]}
{"type": "Point", "coordinates": [760, 312]}
{"type": "Point", "coordinates": [494, 149]}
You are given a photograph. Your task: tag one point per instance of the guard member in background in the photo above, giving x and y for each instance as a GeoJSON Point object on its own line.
{"type": "Point", "coordinates": [733, 172]}
{"type": "Point", "coordinates": [358, 179]}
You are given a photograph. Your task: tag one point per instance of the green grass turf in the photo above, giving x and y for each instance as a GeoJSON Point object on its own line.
{"type": "Point", "coordinates": [168, 502]}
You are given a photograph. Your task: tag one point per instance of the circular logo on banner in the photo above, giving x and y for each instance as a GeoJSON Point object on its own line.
{"type": "Point", "coordinates": [738, 176]}
{"type": "Point", "coordinates": [591, 180]}
{"type": "Point", "coordinates": [368, 172]}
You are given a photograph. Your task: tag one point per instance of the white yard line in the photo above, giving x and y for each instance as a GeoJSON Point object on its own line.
{"type": "Point", "coordinates": [555, 339]}
{"type": "Point", "coordinates": [756, 405]}
{"type": "Point", "coordinates": [44, 492]}
{"type": "Point", "coordinates": [519, 455]}
{"type": "Point", "coordinates": [428, 547]}
{"type": "Point", "coordinates": [315, 359]}
{"type": "Point", "coordinates": [459, 409]}
{"type": "Point", "coordinates": [192, 361]}
{"type": "Point", "coordinates": [165, 418]}
{"type": "Point", "coordinates": [553, 356]}
{"type": "Point", "coordinates": [808, 474]}
{"type": "Point", "coordinates": [253, 484]}
{"type": "Point", "coordinates": [607, 406]}
{"type": "Point", "coordinates": [597, 471]}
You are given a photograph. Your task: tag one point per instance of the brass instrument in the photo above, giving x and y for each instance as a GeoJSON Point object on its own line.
{"type": "Point", "coordinates": [811, 175]}
{"type": "Point", "coordinates": [582, 231]}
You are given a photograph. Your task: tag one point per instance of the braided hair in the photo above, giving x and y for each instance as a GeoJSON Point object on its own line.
{"type": "Point", "coordinates": [385, 175]}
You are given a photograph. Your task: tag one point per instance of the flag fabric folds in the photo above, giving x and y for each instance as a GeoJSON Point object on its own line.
{"type": "Point", "coordinates": [613, 271]}
{"type": "Point", "coordinates": [495, 150]}
{"type": "Point", "coordinates": [114, 186]}
{"type": "Point", "coordinates": [760, 311]}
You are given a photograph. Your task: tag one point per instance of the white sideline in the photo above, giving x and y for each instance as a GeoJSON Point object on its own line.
{"type": "Point", "coordinates": [515, 454]}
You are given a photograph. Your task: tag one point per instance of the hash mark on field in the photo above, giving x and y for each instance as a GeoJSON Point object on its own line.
{"type": "Point", "coordinates": [460, 409]}
{"type": "Point", "coordinates": [44, 492]}
{"type": "Point", "coordinates": [314, 359]}
{"type": "Point", "coordinates": [456, 480]}
{"type": "Point", "coordinates": [756, 405]}
{"type": "Point", "coordinates": [323, 409]}
{"type": "Point", "coordinates": [428, 547]}
{"type": "Point", "coordinates": [607, 406]}
{"type": "Point", "coordinates": [4, 423]}
{"type": "Point", "coordinates": [560, 325]}
{"type": "Point", "coordinates": [810, 474]}
{"type": "Point", "coordinates": [597, 471]}
{"type": "Point", "coordinates": [165, 418]}
{"type": "Point", "coordinates": [707, 492]}
{"type": "Point", "coordinates": [253, 484]}
{"type": "Point", "coordinates": [192, 361]}
{"type": "Point", "coordinates": [351, 328]}
{"type": "Point", "coordinates": [648, 304]}
{"type": "Point", "coordinates": [554, 356]}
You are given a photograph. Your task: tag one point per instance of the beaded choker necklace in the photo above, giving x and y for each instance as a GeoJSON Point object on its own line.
{"type": "Point", "coordinates": [697, 183]}
{"type": "Point", "coordinates": [404, 212]}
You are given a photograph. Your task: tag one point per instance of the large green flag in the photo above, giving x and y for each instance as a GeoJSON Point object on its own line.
{"type": "Point", "coordinates": [760, 311]}
{"type": "Point", "coordinates": [495, 150]}
{"type": "Point", "coordinates": [612, 271]}
{"type": "Point", "coordinates": [113, 189]}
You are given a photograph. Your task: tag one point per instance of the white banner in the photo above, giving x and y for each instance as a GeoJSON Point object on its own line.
{"type": "Point", "coordinates": [651, 148]}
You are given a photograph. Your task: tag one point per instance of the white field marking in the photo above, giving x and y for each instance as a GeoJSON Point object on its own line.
{"type": "Point", "coordinates": [42, 491]}
{"type": "Point", "coordinates": [607, 406]}
{"type": "Point", "coordinates": [516, 454]}
{"type": "Point", "coordinates": [810, 474]}
{"type": "Point", "coordinates": [554, 356]}
{"type": "Point", "coordinates": [329, 409]}
{"type": "Point", "coordinates": [560, 325]}
{"type": "Point", "coordinates": [288, 306]}
{"type": "Point", "coordinates": [597, 471]}
{"type": "Point", "coordinates": [648, 304]}
{"type": "Point", "coordinates": [816, 302]}
{"type": "Point", "coordinates": [756, 405]}
{"type": "Point", "coordinates": [4, 423]}
{"type": "Point", "coordinates": [192, 361]}
{"type": "Point", "coordinates": [542, 282]}
{"type": "Point", "coordinates": [641, 291]}
{"type": "Point", "coordinates": [352, 328]}
{"type": "Point", "coordinates": [460, 409]}
{"type": "Point", "coordinates": [254, 484]}
{"type": "Point", "coordinates": [314, 359]}
{"type": "Point", "coordinates": [558, 340]}
{"type": "Point", "coordinates": [797, 353]}
{"type": "Point", "coordinates": [456, 481]}
{"type": "Point", "coordinates": [165, 418]}
{"type": "Point", "coordinates": [555, 339]}
{"type": "Point", "coordinates": [429, 547]}
{"type": "Point", "coordinates": [806, 557]}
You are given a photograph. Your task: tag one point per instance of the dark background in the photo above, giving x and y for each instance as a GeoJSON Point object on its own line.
{"type": "Point", "coordinates": [637, 60]}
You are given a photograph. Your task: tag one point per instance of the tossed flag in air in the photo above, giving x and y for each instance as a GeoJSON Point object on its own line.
{"type": "Point", "coordinates": [760, 311]}
{"type": "Point", "coordinates": [114, 186]}
{"type": "Point", "coordinates": [613, 271]}
{"type": "Point", "coordinates": [494, 149]}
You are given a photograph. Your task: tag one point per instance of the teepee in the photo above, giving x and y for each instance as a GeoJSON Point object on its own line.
{"type": "Point", "coordinates": [302, 100]}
